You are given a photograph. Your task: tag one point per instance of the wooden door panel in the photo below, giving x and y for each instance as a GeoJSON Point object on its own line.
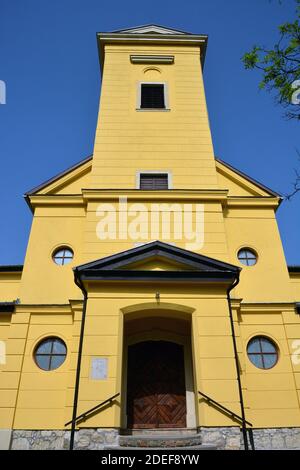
{"type": "Point", "coordinates": [171, 411]}
{"type": "Point", "coordinates": [156, 385]}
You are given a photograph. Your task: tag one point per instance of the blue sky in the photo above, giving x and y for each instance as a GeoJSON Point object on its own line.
{"type": "Point", "coordinates": [48, 59]}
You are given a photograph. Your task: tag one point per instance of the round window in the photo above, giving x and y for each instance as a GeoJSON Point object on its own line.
{"type": "Point", "coordinates": [247, 257]}
{"type": "Point", "coordinates": [50, 353]}
{"type": "Point", "coordinates": [63, 255]}
{"type": "Point", "coordinates": [262, 352]}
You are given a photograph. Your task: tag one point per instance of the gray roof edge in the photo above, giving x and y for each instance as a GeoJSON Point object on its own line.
{"type": "Point", "coordinates": [249, 178]}
{"type": "Point", "coordinates": [148, 26]}
{"type": "Point", "coordinates": [57, 176]}
{"type": "Point", "coordinates": [143, 249]}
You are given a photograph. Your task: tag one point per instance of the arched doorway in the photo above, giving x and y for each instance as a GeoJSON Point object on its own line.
{"type": "Point", "coordinates": [156, 390]}
{"type": "Point", "coordinates": [158, 373]}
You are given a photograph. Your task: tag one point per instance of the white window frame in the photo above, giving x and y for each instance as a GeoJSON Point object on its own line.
{"type": "Point", "coordinates": [153, 172]}
{"type": "Point", "coordinates": [139, 96]}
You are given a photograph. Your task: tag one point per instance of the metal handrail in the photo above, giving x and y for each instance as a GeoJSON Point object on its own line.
{"type": "Point", "coordinates": [224, 408]}
{"type": "Point", "coordinates": [234, 415]}
{"type": "Point", "coordinates": [83, 415]}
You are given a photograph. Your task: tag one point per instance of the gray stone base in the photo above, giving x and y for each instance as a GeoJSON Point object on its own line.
{"type": "Point", "coordinates": [228, 438]}
{"type": "Point", "coordinates": [161, 441]}
{"type": "Point", "coordinates": [5, 437]}
{"type": "Point", "coordinates": [223, 438]}
{"type": "Point", "coordinates": [92, 439]}
{"type": "Point", "coordinates": [231, 438]}
{"type": "Point", "coordinates": [37, 440]}
{"type": "Point", "coordinates": [277, 438]}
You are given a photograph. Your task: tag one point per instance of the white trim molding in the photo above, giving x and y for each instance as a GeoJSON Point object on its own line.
{"type": "Point", "coordinates": [139, 96]}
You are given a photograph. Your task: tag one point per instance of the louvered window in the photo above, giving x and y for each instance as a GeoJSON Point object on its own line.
{"type": "Point", "coordinates": [154, 181]}
{"type": "Point", "coordinates": [152, 96]}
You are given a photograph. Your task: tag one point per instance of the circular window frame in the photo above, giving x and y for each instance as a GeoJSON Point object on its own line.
{"type": "Point", "coordinates": [39, 343]}
{"type": "Point", "coordinates": [251, 249]}
{"type": "Point", "coordinates": [58, 248]}
{"type": "Point", "coordinates": [273, 342]}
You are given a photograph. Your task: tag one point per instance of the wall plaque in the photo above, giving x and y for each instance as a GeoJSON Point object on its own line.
{"type": "Point", "coordinates": [99, 367]}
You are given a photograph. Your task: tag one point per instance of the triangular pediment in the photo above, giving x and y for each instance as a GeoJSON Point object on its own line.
{"type": "Point", "coordinates": [157, 260]}
{"type": "Point", "coordinates": [70, 181]}
{"type": "Point", "coordinates": [239, 184]}
{"type": "Point", "coordinates": [150, 29]}
{"type": "Point", "coordinates": [158, 263]}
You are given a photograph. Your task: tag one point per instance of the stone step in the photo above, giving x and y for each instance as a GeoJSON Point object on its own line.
{"type": "Point", "coordinates": [158, 431]}
{"type": "Point", "coordinates": [165, 441]}
{"type": "Point", "coordinates": [150, 449]}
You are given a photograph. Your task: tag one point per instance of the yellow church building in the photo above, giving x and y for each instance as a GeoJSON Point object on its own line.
{"type": "Point", "coordinates": [155, 307]}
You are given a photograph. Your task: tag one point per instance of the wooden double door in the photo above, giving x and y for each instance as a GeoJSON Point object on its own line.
{"type": "Point", "coordinates": [156, 392]}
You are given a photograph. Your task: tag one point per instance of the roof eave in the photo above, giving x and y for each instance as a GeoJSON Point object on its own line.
{"type": "Point", "coordinates": [157, 248]}
{"type": "Point", "coordinates": [11, 268]}
{"type": "Point", "coordinates": [8, 307]}
{"type": "Point", "coordinates": [160, 276]}
{"type": "Point", "coordinates": [294, 269]}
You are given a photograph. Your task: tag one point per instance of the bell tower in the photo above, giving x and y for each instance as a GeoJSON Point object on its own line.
{"type": "Point", "coordinates": [152, 117]}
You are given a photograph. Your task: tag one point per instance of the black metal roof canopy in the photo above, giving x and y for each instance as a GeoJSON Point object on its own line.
{"type": "Point", "coordinates": [197, 267]}
{"type": "Point", "coordinates": [11, 268]}
{"type": "Point", "coordinates": [7, 307]}
{"type": "Point", "coordinates": [294, 269]}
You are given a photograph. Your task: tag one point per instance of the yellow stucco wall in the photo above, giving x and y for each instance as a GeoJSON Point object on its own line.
{"type": "Point", "coordinates": [295, 284]}
{"type": "Point", "coordinates": [52, 227]}
{"type": "Point", "coordinates": [269, 278]}
{"type": "Point", "coordinates": [10, 286]}
{"type": "Point", "coordinates": [128, 140]}
{"type": "Point", "coordinates": [44, 399]}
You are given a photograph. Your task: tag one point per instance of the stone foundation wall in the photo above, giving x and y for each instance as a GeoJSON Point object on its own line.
{"type": "Point", "coordinates": [277, 438]}
{"type": "Point", "coordinates": [231, 438]}
{"type": "Point", "coordinates": [227, 438]}
{"type": "Point", "coordinates": [92, 439]}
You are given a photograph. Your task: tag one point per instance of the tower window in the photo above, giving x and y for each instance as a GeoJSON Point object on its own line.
{"type": "Point", "coordinates": [152, 96]}
{"type": "Point", "coordinates": [150, 181]}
